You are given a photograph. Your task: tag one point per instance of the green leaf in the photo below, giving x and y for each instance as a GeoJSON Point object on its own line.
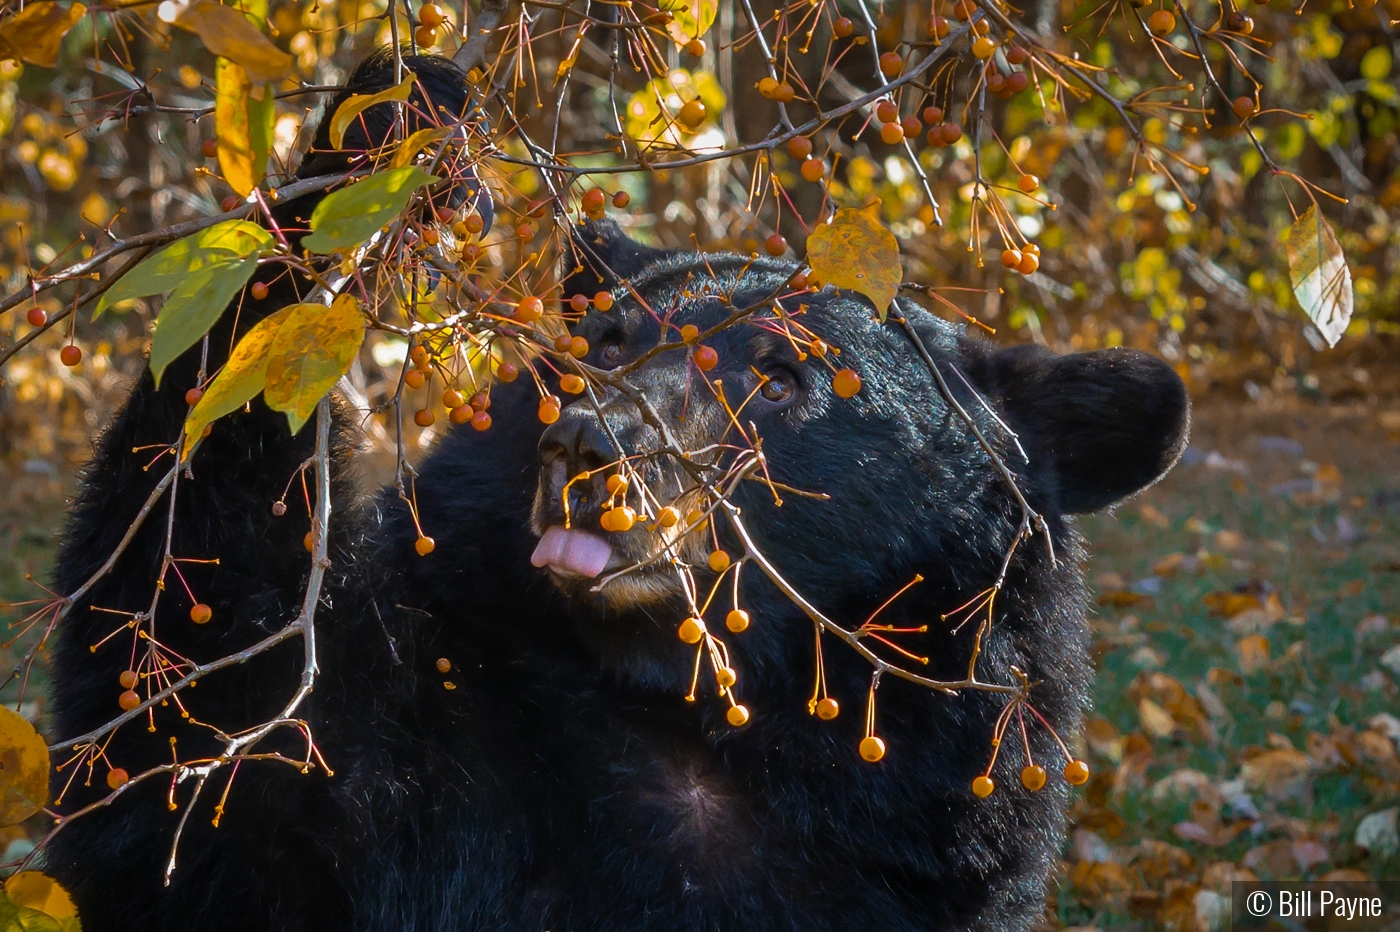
{"type": "Point", "coordinates": [311, 351]}
{"type": "Point", "coordinates": [239, 381]}
{"type": "Point", "coordinates": [1319, 273]}
{"type": "Point", "coordinates": [193, 307]}
{"type": "Point", "coordinates": [223, 244]}
{"type": "Point", "coordinates": [351, 215]}
{"type": "Point", "coordinates": [355, 105]}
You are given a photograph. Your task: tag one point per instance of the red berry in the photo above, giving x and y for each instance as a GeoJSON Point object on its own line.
{"type": "Point", "coordinates": [70, 355]}
{"type": "Point", "coordinates": [230, 203]}
{"type": "Point", "coordinates": [891, 64]}
{"type": "Point", "coordinates": [117, 778]}
{"type": "Point", "coordinates": [775, 245]}
{"type": "Point", "coordinates": [843, 27]}
{"type": "Point", "coordinates": [259, 291]}
{"type": "Point", "coordinates": [210, 148]}
{"type": "Point", "coordinates": [621, 199]}
{"type": "Point", "coordinates": [594, 199]}
{"type": "Point", "coordinates": [481, 421]}
{"type": "Point", "coordinates": [886, 111]}
{"type": "Point", "coordinates": [37, 317]}
{"type": "Point", "coordinates": [579, 303]}
{"type": "Point", "coordinates": [799, 147]}
{"type": "Point", "coordinates": [193, 395]}
{"type": "Point", "coordinates": [706, 358]}
{"type": "Point", "coordinates": [201, 613]}
{"type": "Point", "coordinates": [128, 700]}
{"type": "Point", "coordinates": [507, 372]}
{"type": "Point", "coordinates": [424, 417]}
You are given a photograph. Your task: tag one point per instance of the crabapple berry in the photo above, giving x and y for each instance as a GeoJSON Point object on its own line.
{"type": "Point", "coordinates": [117, 778]}
{"type": "Point", "coordinates": [737, 715]}
{"type": "Point", "coordinates": [737, 620]}
{"type": "Point", "coordinates": [982, 787]}
{"type": "Point", "coordinates": [719, 561]}
{"type": "Point", "coordinates": [128, 700]}
{"type": "Point", "coordinates": [846, 384]}
{"type": "Point", "coordinates": [128, 679]}
{"type": "Point", "coordinates": [691, 630]}
{"type": "Point", "coordinates": [201, 613]}
{"type": "Point", "coordinates": [424, 417]}
{"type": "Point", "coordinates": [37, 317]}
{"type": "Point", "coordinates": [70, 355]}
{"type": "Point", "coordinates": [891, 64]}
{"type": "Point", "coordinates": [1033, 777]}
{"type": "Point", "coordinates": [481, 421]}
{"type": "Point", "coordinates": [424, 545]}
{"type": "Point", "coordinates": [1077, 772]}
{"type": "Point", "coordinates": [706, 358]}
{"type": "Point", "coordinates": [799, 147]}
{"type": "Point", "coordinates": [573, 384]}
{"type": "Point", "coordinates": [828, 709]}
{"type": "Point", "coordinates": [872, 748]}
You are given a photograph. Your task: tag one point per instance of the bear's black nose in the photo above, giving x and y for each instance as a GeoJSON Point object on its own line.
{"type": "Point", "coordinates": [579, 441]}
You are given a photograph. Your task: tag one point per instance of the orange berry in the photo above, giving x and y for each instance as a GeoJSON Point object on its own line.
{"type": "Point", "coordinates": [430, 237]}
{"type": "Point", "coordinates": [668, 517]}
{"type": "Point", "coordinates": [424, 417]}
{"type": "Point", "coordinates": [461, 415]}
{"type": "Point", "coordinates": [1244, 107]}
{"type": "Point", "coordinates": [549, 409]}
{"type": "Point", "coordinates": [813, 170]}
{"type": "Point", "coordinates": [117, 778]}
{"type": "Point", "coordinates": [1031, 248]}
{"type": "Point", "coordinates": [691, 630]}
{"type": "Point", "coordinates": [981, 27]}
{"type": "Point", "coordinates": [128, 679]}
{"type": "Point", "coordinates": [1028, 183]}
{"type": "Point", "coordinates": [768, 87]}
{"type": "Point", "coordinates": [737, 715]}
{"type": "Point", "coordinates": [578, 347]}
{"type": "Point", "coordinates": [706, 358]}
{"type": "Point", "coordinates": [1077, 772]}
{"type": "Point", "coordinates": [37, 317]}
{"type": "Point", "coordinates": [525, 231]}
{"type": "Point", "coordinates": [737, 620]}
{"type": "Point", "coordinates": [603, 300]}
{"type": "Point", "coordinates": [689, 333]}
{"type": "Point", "coordinates": [453, 399]}
{"type": "Point", "coordinates": [258, 291]}
{"type": "Point", "coordinates": [480, 401]}
{"type": "Point", "coordinates": [983, 47]}
{"type": "Point", "coordinates": [594, 199]}
{"type": "Point", "coordinates": [891, 134]}
{"type": "Point", "coordinates": [982, 787]}
{"type": "Point", "coordinates": [201, 613]}
{"type": "Point", "coordinates": [1029, 263]}
{"type": "Point", "coordinates": [1011, 258]}
{"type": "Point", "coordinates": [799, 147]}
{"type": "Point", "coordinates": [621, 199]}
{"type": "Point", "coordinates": [308, 542]}
{"type": "Point", "coordinates": [528, 310]}
{"type": "Point", "coordinates": [798, 282]}
{"type": "Point", "coordinates": [726, 677]}
{"type": "Point", "coordinates": [616, 484]}
{"type": "Point", "coordinates": [818, 348]}
{"type": "Point", "coordinates": [430, 14]}
{"type": "Point", "coordinates": [695, 47]}
{"type": "Point", "coordinates": [719, 561]}
{"type": "Point", "coordinates": [481, 421]}
{"type": "Point", "coordinates": [843, 27]}
{"type": "Point", "coordinates": [562, 342]}
{"type": "Point", "coordinates": [886, 111]}
{"type": "Point", "coordinates": [443, 665]}
{"type": "Point", "coordinates": [425, 36]}
{"type": "Point", "coordinates": [623, 518]}
{"type": "Point", "coordinates": [473, 223]}
{"type": "Point", "coordinates": [952, 132]}
{"type": "Point", "coordinates": [128, 700]}
{"type": "Point", "coordinates": [775, 245]}
{"type": "Point", "coordinates": [573, 384]}
{"type": "Point", "coordinates": [193, 395]}
{"type": "Point", "coordinates": [1033, 777]}
{"type": "Point", "coordinates": [693, 113]}
{"type": "Point", "coordinates": [1162, 22]}
{"type": "Point", "coordinates": [964, 9]}
{"type": "Point", "coordinates": [424, 546]}
{"type": "Point", "coordinates": [828, 708]}
{"type": "Point", "coordinates": [937, 27]}
{"type": "Point", "coordinates": [1017, 55]}
{"type": "Point", "coordinates": [784, 93]}
{"type": "Point", "coordinates": [845, 383]}
{"type": "Point", "coordinates": [414, 378]}
{"type": "Point", "coordinates": [911, 126]}
{"type": "Point", "coordinates": [872, 748]}
{"type": "Point", "coordinates": [209, 148]}
{"type": "Point", "coordinates": [891, 64]}
{"type": "Point", "coordinates": [70, 355]}
{"type": "Point", "coordinates": [578, 303]}
{"type": "Point", "coordinates": [507, 372]}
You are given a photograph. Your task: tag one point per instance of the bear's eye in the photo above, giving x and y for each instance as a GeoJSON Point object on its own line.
{"type": "Point", "coordinates": [610, 353]}
{"type": "Point", "coordinates": [779, 387]}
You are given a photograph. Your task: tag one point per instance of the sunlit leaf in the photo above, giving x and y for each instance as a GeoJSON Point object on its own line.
{"type": "Point", "coordinates": [353, 106]}
{"type": "Point", "coordinates": [24, 768]}
{"type": "Point", "coordinates": [193, 307]}
{"type": "Point", "coordinates": [690, 19]}
{"type": "Point", "coordinates": [34, 902]}
{"type": "Point", "coordinates": [311, 351]}
{"type": "Point", "coordinates": [35, 33]}
{"type": "Point", "coordinates": [224, 244]}
{"type": "Point", "coordinates": [239, 381]}
{"type": "Point", "coordinates": [351, 215]}
{"type": "Point", "coordinates": [1318, 270]}
{"type": "Point", "coordinates": [856, 251]}
{"type": "Point", "coordinates": [416, 143]}
{"type": "Point", "coordinates": [227, 33]}
{"type": "Point", "coordinates": [244, 118]}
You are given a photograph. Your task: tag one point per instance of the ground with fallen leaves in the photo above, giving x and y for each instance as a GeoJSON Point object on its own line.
{"type": "Point", "coordinates": [1248, 642]}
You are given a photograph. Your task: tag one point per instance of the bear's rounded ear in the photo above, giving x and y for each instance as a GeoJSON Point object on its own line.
{"type": "Point", "coordinates": [1097, 426]}
{"type": "Point", "coordinates": [600, 255]}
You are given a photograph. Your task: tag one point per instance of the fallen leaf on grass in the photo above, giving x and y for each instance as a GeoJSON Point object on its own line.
{"type": "Point", "coordinates": [1253, 653]}
{"type": "Point", "coordinates": [1378, 834]}
{"type": "Point", "coordinates": [1280, 773]}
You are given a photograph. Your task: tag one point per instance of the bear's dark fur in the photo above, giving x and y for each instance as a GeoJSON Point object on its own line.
{"type": "Point", "coordinates": [564, 783]}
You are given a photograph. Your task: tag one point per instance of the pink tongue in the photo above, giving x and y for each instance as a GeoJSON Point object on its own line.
{"type": "Point", "coordinates": [573, 551]}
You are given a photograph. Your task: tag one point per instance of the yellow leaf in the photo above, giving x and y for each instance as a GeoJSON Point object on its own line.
{"type": "Point", "coordinates": [1253, 652]}
{"type": "Point", "coordinates": [856, 251]}
{"type": "Point", "coordinates": [37, 891]}
{"type": "Point", "coordinates": [1156, 721]}
{"type": "Point", "coordinates": [239, 381]}
{"type": "Point", "coordinates": [353, 106]}
{"type": "Point", "coordinates": [24, 769]}
{"type": "Point", "coordinates": [35, 33]}
{"type": "Point", "coordinates": [227, 33]}
{"type": "Point", "coordinates": [690, 19]}
{"type": "Point", "coordinates": [244, 126]}
{"type": "Point", "coordinates": [1319, 273]}
{"type": "Point", "coordinates": [312, 350]}
{"type": "Point", "coordinates": [414, 144]}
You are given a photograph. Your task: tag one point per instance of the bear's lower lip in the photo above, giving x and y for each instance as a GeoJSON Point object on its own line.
{"type": "Point", "coordinates": [572, 552]}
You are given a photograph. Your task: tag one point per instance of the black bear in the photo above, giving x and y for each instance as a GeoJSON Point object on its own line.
{"type": "Point", "coordinates": [506, 719]}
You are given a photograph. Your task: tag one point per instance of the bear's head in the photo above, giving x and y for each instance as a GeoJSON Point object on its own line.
{"type": "Point", "coordinates": [847, 498]}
